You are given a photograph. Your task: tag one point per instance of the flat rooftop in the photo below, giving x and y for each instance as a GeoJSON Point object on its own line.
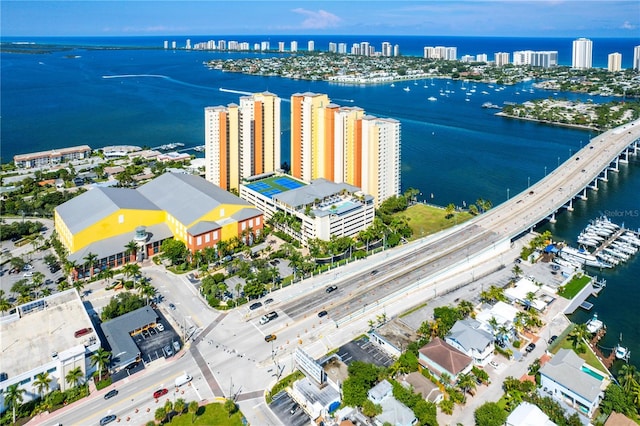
{"type": "Point", "coordinates": [41, 328]}
{"type": "Point", "coordinates": [273, 185]}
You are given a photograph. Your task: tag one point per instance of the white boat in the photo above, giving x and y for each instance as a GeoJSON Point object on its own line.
{"type": "Point", "coordinates": [393, 85]}
{"type": "Point", "coordinates": [432, 99]}
{"type": "Point", "coordinates": [622, 352]}
{"type": "Point", "coordinates": [594, 324]}
{"type": "Point", "coordinates": [406, 89]}
{"type": "Point", "coordinates": [582, 257]}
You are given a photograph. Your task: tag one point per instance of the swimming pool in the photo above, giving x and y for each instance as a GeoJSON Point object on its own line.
{"type": "Point", "coordinates": [592, 373]}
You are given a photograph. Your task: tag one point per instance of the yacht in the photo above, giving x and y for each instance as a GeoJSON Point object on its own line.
{"type": "Point", "coordinates": [622, 352]}
{"type": "Point", "coordinates": [594, 324]}
{"type": "Point", "coordinates": [431, 98]}
{"type": "Point", "coordinates": [406, 89]}
{"type": "Point", "coordinates": [581, 256]}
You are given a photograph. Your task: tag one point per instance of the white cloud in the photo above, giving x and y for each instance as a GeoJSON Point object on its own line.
{"type": "Point", "coordinates": [317, 20]}
{"type": "Point", "coordinates": [626, 25]}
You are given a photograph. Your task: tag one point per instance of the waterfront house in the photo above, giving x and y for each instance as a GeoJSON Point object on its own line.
{"type": "Point", "coordinates": [469, 337]}
{"type": "Point", "coordinates": [439, 358]}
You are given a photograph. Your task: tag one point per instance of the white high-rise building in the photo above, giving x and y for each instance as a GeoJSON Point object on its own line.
{"type": "Point", "coordinates": [614, 62]}
{"type": "Point", "coordinates": [380, 157]}
{"type": "Point", "coordinates": [281, 46]}
{"type": "Point", "coordinates": [311, 45]}
{"type": "Point", "coordinates": [294, 46]}
{"type": "Point", "coordinates": [386, 49]}
{"type": "Point", "coordinates": [222, 45]}
{"type": "Point", "coordinates": [636, 58]}
{"type": "Point", "coordinates": [173, 44]}
{"type": "Point", "coordinates": [333, 48]}
{"type": "Point", "coordinates": [166, 44]}
{"type": "Point", "coordinates": [188, 45]}
{"type": "Point", "coordinates": [501, 58]}
{"type": "Point", "coordinates": [582, 53]}
{"type": "Point", "coordinates": [342, 48]}
{"type": "Point", "coordinates": [396, 50]}
{"type": "Point", "coordinates": [264, 46]}
{"type": "Point", "coordinates": [482, 57]}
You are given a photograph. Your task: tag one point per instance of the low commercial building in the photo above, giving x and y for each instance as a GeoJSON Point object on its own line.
{"type": "Point", "coordinates": [319, 209]}
{"type": "Point", "coordinates": [53, 156]}
{"type": "Point", "coordinates": [52, 335]}
{"type": "Point", "coordinates": [119, 333]}
{"type": "Point", "coordinates": [393, 337]}
{"type": "Point", "coordinates": [103, 221]}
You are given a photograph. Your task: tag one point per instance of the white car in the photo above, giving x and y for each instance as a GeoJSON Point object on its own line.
{"type": "Point", "coordinates": [494, 364]}
{"type": "Point", "coordinates": [28, 274]}
{"type": "Point", "coordinates": [160, 327]}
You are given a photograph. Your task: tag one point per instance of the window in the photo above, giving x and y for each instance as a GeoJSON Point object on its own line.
{"type": "Point", "coordinates": [121, 218]}
{"type": "Point", "coordinates": [215, 235]}
{"type": "Point", "coordinates": [251, 223]}
{"type": "Point", "coordinates": [190, 240]}
{"type": "Point", "coordinates": [257, 221]}
{"type": "Point", "coordinates": [199, 241]}
{"type": "Point", "coordinates": [207, 237]}
{"type": "Point", "coordinates": [244, 225]}
{"type": "Point", "coordinates": [221, 212]}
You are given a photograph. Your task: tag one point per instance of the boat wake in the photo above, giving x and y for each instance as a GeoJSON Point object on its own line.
{"type": "Point", "coordinates": [240, 92]}
{"type": "Point", "coordinates": [164, 77]}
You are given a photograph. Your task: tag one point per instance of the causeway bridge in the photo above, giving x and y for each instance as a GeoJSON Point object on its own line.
{"type": "Point", "coordinates": [430, 261]}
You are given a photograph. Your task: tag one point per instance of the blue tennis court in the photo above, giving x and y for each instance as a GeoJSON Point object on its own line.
{"type": "Point", "coordinates": [274, 185]}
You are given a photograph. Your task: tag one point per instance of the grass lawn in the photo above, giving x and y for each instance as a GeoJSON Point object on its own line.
{"type": "Point", "coordinates": [574, 286]}
{"type": "Point", "coordinates": [589, 357]}
{"type": "Point", "coordinates": [425, 220]}
{"type": "Point", "coordinates": [212, 414]}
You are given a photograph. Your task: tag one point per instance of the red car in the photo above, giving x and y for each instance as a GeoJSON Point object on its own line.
{"type": "Point", "coordinates": [157, 394]}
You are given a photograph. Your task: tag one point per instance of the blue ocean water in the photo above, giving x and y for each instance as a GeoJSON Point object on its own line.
{"type": "Point", "coordinates": [453, 150]}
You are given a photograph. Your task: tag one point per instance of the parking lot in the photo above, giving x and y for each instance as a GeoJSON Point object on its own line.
{"type": "Point", "coordinates": [281, 406]}
{"type": "Point", "coordinates": [152, 342]}
{"type": "Point", "coordinates": [365, 351]}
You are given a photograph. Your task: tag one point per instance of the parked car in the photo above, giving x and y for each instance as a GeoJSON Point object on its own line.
{"type": "Point", "coordinates": [255, 306]}
{"type": "Point", "coordinates": [269, 337]}
{"type": "Point", "coordinates": [107, 419]}
{"type": "Point", "coordinates": [331, 288]}
{"type": "Point", "coordinates": [160, 326]}
{"type": "Point", "coordinates": [530, 347]}
{"type": "Point", "coordinates": [322, 314]}
{"type": "Point", "coordinates": [110, 394]}
{"type": "Point", "coordinates": [176, 346]}
{"type": "Point", "coordinates": [266, 302]}
{"type": "Point", "coordinates": [172, 306]}
{"type": "Point", "coordinates": [157, 394]}
{"type": "Point", "coordinates": [168, 351]}
{"type": "Point", "coordinates": [294, 409]}
{"type": "Point", "coordinates": [552, 339]}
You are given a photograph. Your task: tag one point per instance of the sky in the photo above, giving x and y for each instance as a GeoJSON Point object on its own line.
{"type": "Point", "coordinates": [537, 18]}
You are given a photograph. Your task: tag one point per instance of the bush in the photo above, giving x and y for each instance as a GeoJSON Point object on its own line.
{"type": "Point", "coordinates": [517, 343]}
{"type": "Point", "coordinates": [104, 383]}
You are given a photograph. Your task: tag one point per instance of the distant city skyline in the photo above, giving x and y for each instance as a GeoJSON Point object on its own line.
{"type": "Point", "coordinates": [507, 18]}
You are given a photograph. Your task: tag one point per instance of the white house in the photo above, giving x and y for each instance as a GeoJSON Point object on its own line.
{"type": "Point", "coordinates": [527, 414]}
{"type": "Point", "coordinates": [393, 411]}
{"type": "Point", "coordinates": [469, 337]}
{"type": "Point", "coordinates": [567, 379]}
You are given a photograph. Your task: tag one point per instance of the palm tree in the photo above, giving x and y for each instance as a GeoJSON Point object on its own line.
{"type": "Point", "coordinates": [628, 377]}
{"type": "Point", "coordinates": [13, 398]}
{"type": "Point", "coordinates": [74, 376]}
{"type": "Point", "coordinates": [63, 285]}
{"type": "Point", "coordinates": [465, 308]}
{"type": "Point", "coordinates": [148, 291]}
{"type": "Point", "coordinates": [5, 305]}
{"type": "Point", "coordinates": [160, 414]}
{"type": "Point", "coordinates": [193, 409]}
{"type": "Point", "coordinates": [493, 323]}
{"type": "Point", "coordinates": [517, 270]}
{"type": "Point", "coordinates": [131, 249]}
{"type": "Point", "coordinates": [42, 382]}
{"type": "Point", "coordinates": [90, 260]}
{"type": "Point", "coordinates": [466, 382]}
{"type": "Point", "coordinates": [131, 269]}
{"type": "Point", "coordinates": [79, 286]}
{"type": "Point", "coordinates": [179, 406]}
{"type": "Point", "coordinates": [578, 335]}
{"type": "Point", "coordinates": [101, 358]}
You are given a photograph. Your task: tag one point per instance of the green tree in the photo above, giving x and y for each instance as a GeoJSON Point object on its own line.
{"type": "Point", "coordinates": [5, 305]}
{"type": "Point", "coordinates": [160, 414]}
{"type": "Point", "coordinates": [193, 410]}
{"type": "Point", "coordinates": [490, 414]}
{"type": "Point", "coordinates": [578, 335]}
{"type": "Point", "coordinates": [13, 396]}
{"type": "Point", "coordinates": [174, 250]}
{"type": "Point", "coordinates": [42, 382]}
{"type": "Point", "coordinates": [616, 399]}
{"type": "Point", "coordinates": [370, 409]}
{"type": "Point", "coordinates": [131, 250]}
{"type": "Point", "coordinates": [122, 304]}
{"type": "Point", "coordinates": [179, 406]}
{"type": "Point", "coordinates": [230, 406]}
{"type": "Point", "coordinates": [74, 376]}
{"type": "Point", "coordinates": [89, 262]}
{"type": "Point", "coordinates": [447, 316]}
{"type": "Point", "coordinates": [628, 377]}
{"type": "Point", "coordinates": [101, 359]}
{"type": "Point", "coordinates": [362, 377]}
{"type": "Point", "coordinates": [466, 383]}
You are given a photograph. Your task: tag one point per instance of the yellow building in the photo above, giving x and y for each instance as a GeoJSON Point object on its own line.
{"type": "Point", "coordinates": [103, 221]}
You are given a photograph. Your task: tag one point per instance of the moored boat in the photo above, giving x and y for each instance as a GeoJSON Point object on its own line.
{"type": "Point", "coordinates": [594, 324]}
